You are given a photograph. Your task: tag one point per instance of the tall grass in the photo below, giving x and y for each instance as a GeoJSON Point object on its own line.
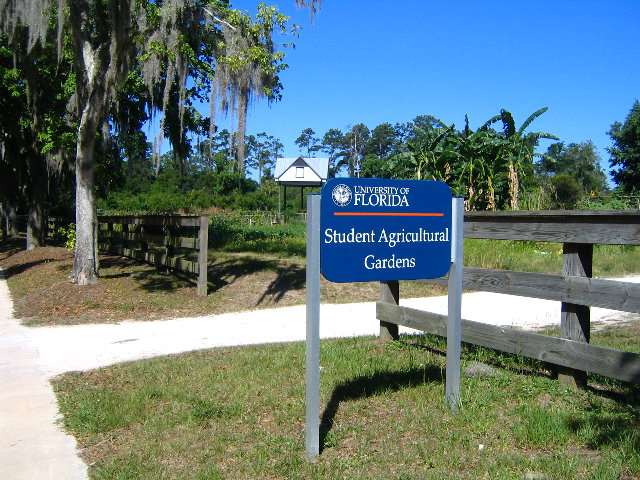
{"type": "Point", "coordinates": [236, 235]}
{"type": "Point", "coordinates": [546, 257]}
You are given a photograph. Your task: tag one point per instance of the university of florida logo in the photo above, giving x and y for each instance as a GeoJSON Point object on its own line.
{"type": "Point", "coordinates": [341, 195]}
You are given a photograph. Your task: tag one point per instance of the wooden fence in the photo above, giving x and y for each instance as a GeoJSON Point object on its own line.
{"type": "Point", "coordinates": [578, 231]}
{"type": "Point", "coordinates": [160, 240]}
{"type": "Point", "coordinates": [51, 230]}
{"type": "Point", "coordinates": [54, 224]}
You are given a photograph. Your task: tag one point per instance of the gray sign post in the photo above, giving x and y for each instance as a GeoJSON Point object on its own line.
{"type": "Point", "coordinates": [454, 319]}
{"type": "Point", "coordinates": [312, 432]}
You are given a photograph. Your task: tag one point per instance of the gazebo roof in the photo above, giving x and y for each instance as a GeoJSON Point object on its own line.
{"type": "Point", "coordinates": [319, 166]}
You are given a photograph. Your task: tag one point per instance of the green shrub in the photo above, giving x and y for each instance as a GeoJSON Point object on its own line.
{"type": "Point", "coordinates": [612, 202]}
{"type": "Point", "coordinates": [221, 231]}
{"type": "Point", "coordinates": [233, 233]}
{"type": "Point", "coordinates": [69, 233]}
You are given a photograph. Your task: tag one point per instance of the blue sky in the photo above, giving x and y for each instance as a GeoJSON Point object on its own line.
{"type": "Point", "coordinates": [380, 61]}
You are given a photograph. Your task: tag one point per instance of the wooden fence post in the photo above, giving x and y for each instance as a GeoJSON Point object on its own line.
{"type": "Point", "coordinates": [110, 237]}
{"type": "Point", "coordinates": [575, 320]}
{"type": "Point", "coordinates": [169, 249]}
{"type": "Point", "coordinates": [125, 236]}
{"type": "Point", "coordinates": [144, 245]}
{"type": "Point", "coordinates": [389, 293]}
{"type": "Point", "coordinates": [203, 241]}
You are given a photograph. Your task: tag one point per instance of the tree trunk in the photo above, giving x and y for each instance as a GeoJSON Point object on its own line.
{"type": "Point", "coordinates": [36, 193]}
{"type": "Point", "coordinates": [85, 260]}
{"type": "Point", "coordinates": [12, 217]}
{"type": "Point", "coordinates": [34, 225]}
{"type": "Point", "coordinates": [4, 222]}
{"type": "Point", "coordinates": [243, 103]}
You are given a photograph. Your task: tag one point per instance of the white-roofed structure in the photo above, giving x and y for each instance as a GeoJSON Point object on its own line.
{"type": "Point", "coordinates": [301, 172]}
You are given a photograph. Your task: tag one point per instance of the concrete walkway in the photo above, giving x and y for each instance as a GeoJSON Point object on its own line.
{"type": "Point", "coordinates": [32, 446]}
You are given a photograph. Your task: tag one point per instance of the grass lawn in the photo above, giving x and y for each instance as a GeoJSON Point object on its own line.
{"type": "Point", "coordinates": [238, 413]}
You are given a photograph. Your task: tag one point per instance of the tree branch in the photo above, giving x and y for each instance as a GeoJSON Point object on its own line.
{"type": "Point", "coordinates": [218, 19]}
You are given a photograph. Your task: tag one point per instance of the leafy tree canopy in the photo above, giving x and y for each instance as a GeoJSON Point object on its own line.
{"type": "Point", "coordinates": [625, 152]}
{"type": "Point", "coordinates": [167, 42]}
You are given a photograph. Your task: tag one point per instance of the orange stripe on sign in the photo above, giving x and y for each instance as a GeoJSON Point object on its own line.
{"type": "Point", "coordinates": [387, 214]}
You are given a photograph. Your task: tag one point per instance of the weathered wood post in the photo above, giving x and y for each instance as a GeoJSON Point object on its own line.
{"type": "Point", "coordinates": [203, 247]}
{"type": "Point", "coordinates": [575, 320]}
{"type": "Point", "coordinates": [169, 239]}
{"type": "Point", "coordinates": [144, 245]}
{"type": "Point", "coordinates": [389, 293]}
{"type": "Point", "coordinates": [109, 236]}
{"type": "Point", "coordinates": [125, 236]}
{"type": "Point", "coordinates": [51, 225]}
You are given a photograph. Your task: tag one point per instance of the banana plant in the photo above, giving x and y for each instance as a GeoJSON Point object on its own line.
{"type": "Point", "coordinates": [478, 151]}
{"type": "Point", "coordinates": [517, 148]}
{"type": "Point", "coordinates": [429, 156]}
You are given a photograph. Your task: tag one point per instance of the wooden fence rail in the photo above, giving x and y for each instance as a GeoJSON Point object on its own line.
{"type": "Point", "coordinates": [54, 224]}
{"type": "Point", "coordinates": [578, 231]}
{"type": "Point", "coordinates": [159, 240]}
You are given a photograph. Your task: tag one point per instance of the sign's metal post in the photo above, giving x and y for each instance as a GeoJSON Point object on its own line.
{"type": "Point", "coordinates": [312, 431]}
{"type": "Point", "coordinates": [454, 321]}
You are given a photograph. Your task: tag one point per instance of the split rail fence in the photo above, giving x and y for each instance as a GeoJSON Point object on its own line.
{"type": "Point", "coordinates": [578, 231]}
{"type": "Point", "coordinates": [161, 240]}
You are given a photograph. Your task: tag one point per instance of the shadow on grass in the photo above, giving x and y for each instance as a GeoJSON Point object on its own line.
{"type": "Point", "coordinates": [436, 345]}
{"type": "Point", "coordinates": [220, 274]}
{"type": "Point", "coordinates": [371, 385]}
{"type": "Point", "coordinates": [604, 427]}
{"type": "Point", "coordinates": [11, 246]}
{"type": "Point", "coordinates": [152, 278]}
{"type": "Point", "coordinates": [23, 267]}
{"type": "Point", "coordinates": [225, 273]}
{"type": "Point", "coordinates": [289, 278]}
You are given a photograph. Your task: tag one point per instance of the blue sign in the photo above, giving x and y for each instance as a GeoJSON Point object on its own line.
{"type": "Point", "coordinates": [378, 229]}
